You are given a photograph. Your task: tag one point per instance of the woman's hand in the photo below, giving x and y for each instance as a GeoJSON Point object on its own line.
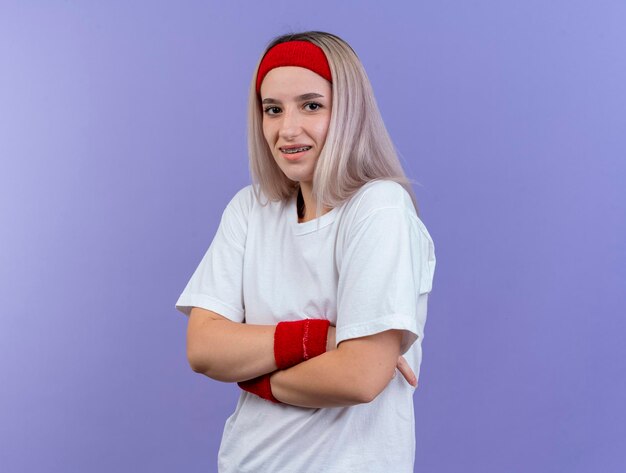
{"type": "Point", "coordinates": [406, 371]}
{"type": "Point", "coordinates": [402, 366]}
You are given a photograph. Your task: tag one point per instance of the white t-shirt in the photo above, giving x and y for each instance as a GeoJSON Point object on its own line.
{"type": "Point", "coordinates": [367, 266]}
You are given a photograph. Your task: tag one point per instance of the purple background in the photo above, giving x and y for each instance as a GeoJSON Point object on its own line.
{"type": "Point", "coordinates": [122, 138]}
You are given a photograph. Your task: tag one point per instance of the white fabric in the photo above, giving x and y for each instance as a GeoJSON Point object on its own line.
{"type": "Point", "coordinates": [367, 266]}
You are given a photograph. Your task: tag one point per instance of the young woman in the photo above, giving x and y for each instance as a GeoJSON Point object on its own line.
{"type": "Point", "coordinates": [314, 289]}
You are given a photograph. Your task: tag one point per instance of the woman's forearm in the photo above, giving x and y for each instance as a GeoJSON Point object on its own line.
{"type": "Point", "coordinates": [328, 380]}
{"type": "Point", "coordinates": [231, 352]}
{"type": "Point", "coordinates": [355, 373]}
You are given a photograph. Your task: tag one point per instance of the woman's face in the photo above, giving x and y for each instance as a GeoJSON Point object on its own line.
{"type": "Point", "coordinates": [296, 106]}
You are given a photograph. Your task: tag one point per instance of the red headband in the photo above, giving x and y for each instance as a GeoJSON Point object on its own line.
{"type": "Point", "coordinates": [294, 53]}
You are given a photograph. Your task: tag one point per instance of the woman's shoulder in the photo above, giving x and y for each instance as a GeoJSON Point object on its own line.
{"type": "Point", "coordinates": [251, 199]}
{"type": "Point", "coordinates": [246, 195]}
{"type": "Point", "coordinates": [241, 202]}
{"type": "Point", "coordinates": [377, 195]}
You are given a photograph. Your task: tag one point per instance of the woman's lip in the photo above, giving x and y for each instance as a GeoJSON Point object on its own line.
{"type": "Point", "coordinates": [294, 156]}
{"type": "Point", "coordinates": [297, 145]}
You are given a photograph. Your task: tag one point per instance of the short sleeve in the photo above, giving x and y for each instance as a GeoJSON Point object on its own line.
{"type": "Point", "coordinates": [217, 282]}
{"type": "Point", "coordinates": [385, 276]}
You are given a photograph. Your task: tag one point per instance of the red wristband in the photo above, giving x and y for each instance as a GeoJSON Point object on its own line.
{"type": "Point", "coordinates": [260, 386]}
{"type": "Point", "coordinates": [299, 340]}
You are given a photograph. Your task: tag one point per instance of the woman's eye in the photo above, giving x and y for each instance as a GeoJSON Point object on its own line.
{"type": "Point", "coordinates": [313, 104]}
{"type": "Point", "coordinates": [268, 110]}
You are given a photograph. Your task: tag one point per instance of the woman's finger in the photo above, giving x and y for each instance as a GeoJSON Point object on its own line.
{"type": "Point", "coordinates": [406, 371]}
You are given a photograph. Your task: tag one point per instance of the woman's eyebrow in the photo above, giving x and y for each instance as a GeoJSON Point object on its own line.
{"type": "Point", "coordinates": [299, 98]}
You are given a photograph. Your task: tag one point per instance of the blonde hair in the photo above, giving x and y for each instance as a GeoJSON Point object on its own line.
{"type": "Point", "coordinates": [357, 149]}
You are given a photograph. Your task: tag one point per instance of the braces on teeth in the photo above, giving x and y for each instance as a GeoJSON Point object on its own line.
{"type": "Point", "coordinates": [296, 150]}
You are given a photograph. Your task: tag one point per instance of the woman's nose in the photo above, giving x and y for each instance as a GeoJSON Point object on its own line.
{"type": "Point", "coordinates": [290, 125]}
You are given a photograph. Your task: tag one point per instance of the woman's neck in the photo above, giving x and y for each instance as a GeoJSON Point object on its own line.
{"type": "Point", "coordinates": [306, 204]}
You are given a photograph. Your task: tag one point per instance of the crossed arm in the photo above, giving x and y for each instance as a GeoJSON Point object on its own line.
{"type": "Point", "coordinates": [355, 372]}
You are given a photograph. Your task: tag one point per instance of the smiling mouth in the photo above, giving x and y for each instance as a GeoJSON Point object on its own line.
{"type": "Point", "coordinates": [295, 150]}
